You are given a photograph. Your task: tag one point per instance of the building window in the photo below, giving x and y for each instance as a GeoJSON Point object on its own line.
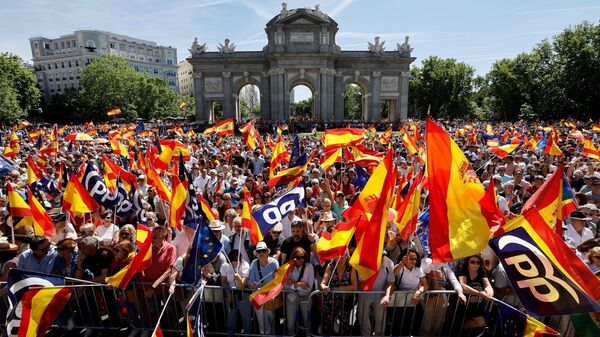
{"type": "Point", "coordinates": [76, 63]}
{"type": "Point", "coordinates": [55, 45]}
{"type": "Point", "coordinates": [112, 45]}
{"type": "Point", "coordinates": [46, 46]}
{"type": "Point", "coordinates": [35, 45]}
{"type": "Point", "coordinates": [122, 46]}
{"type": "Point", "coordinates": [62, 64]}
{"type": "Point", "coordinates": [62, 45]}
{"type": "Point", "coordinates": [169, 61]}
{"type": "Point", "coordinates": [68, 44]}
{"type": "Point", "coordinates": [69, 63]}
{"type": "Point", "coordinates": [55, 65]}
{"type": "Point", "coordinates": [131, 49]}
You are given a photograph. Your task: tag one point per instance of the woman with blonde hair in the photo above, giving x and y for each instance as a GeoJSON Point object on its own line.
{"type": "Point", "coordinates": [593, 259]}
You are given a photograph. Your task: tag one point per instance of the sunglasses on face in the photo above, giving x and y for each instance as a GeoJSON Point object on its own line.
{"type": "Point", "coordinates": [475, 262]}
{"type": "Point", "coordinates": [300, 257]}
{"type": "Point", "coordinates": [125, 234]}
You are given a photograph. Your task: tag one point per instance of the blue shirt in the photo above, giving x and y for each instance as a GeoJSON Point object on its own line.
{"type": "Point", "coordinates": [264, 270]}
{"type": "Point", "coordinates": [27, 261]}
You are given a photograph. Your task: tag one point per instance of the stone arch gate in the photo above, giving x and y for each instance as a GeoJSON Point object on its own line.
{"type": "Point", "coordinates": [301, 49]}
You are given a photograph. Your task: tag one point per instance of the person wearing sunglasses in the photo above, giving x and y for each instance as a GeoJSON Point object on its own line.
{"type": "Point", "coordinates": [262, 271]}
{"type": "Point", "coordinates": [39, 257]}
{"type": "Point", "coordinates": [475, 283]}
{"type": "Point", "coordinates": [297, 289]}
{"type": "Point", "coordinates": [107, 231]}
{"type": "Point", "coordinates": [66, 261]}
{"type": "Point", "coordinates": [126, 232]}
{"type": "Point", "coordinates": [593, 259]}
{"type": "Point", "coordinates": [123, 254]}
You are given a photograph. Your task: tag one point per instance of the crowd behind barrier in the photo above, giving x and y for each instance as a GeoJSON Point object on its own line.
{"type": "Point", "coordinates": [223, 312]}
{"type": "Point", "coordinates": [411, 296]}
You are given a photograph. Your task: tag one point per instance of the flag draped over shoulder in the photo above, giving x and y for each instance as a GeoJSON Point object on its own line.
{"type": "Point", "coordinates": [41, 306]}
{"type": "Point", "coordinates": [222, 128]}
{"type": "Point", "coordinates": [270, 290]}
{"type": "Point", "coordinates": [458, 227]}
{"type": "Point", "coordinates": [140, 261]}
{"type": "Point", "coordinates": [370, 235]}
{"type": "Point", "coordinates": [545, 273]}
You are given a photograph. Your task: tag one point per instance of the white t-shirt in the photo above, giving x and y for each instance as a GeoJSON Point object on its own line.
{"type": "Point", "coordinates": [181, 243]}
{"type": "Point", "coordinates": [586, 234]}
{"type": "Point", "coordinates": [228, 272]}
{"type": "Point", "coordinates": [107, 233]}
{"type": "Point", "coordinates": [410, 278]}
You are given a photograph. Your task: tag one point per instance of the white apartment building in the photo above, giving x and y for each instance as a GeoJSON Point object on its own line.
{"type": "Point", "coordinates": [57, 61]}
{"type": "Point", "coordinates": [186, 80]}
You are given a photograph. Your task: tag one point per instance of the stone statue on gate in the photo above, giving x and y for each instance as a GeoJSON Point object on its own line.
{"type": "Point", "coordinates": [196, 48]}
{"type": "Point", "coordinates": [284, 11]}
{"type": "Point", "coordinates": [226, 48]}
{"type": "Point", "coordinates": [377, 47]}
{"type": "Point", "coordinates": [405, 48]}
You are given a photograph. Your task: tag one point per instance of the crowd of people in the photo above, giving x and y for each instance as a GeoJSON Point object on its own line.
{"type": "Point", "coordinates": [95, 246]}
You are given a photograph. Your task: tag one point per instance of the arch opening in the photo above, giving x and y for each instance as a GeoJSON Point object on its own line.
{"type": "Point", "coordinates": [302, 101]}
{"type": "Point", "coordinates": [248, 102]}
{"type": "Point", "coordinates": [355, 105]}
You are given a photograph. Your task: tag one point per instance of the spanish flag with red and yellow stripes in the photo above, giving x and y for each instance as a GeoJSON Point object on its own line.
{"type": "Point", "coordinates": [140, 261]}
{"type": "Point", "coordinates": [42, 224]}
{"type": "Point", "coordinates": [590, 150]}
{"type": "Point", "coordinates": [17, 207]}
{"type": "Point", "coordinates": [408, 209]}
{"type": "Point", "coordinates": [112, 171]}
{"type": "Point", "coordinates": [205, 208]}
{"type": "Point", "coordinates": [118, 148]}
{"type": "Point", "coordinates": [370, 235]}
{"type": "Point", "coordinates": [279, 155]}
{"type": "Point", "coordinates": [178, 197]}
{"type": "Point", "coordinates": [458, 227]}
{"type": "Point", "coordinates": [343, 137]}
{"type": "Point", "coordinates": [249, 222]}
{"type": "Point", "coordinates": [551, 147]}
{"type": "Point", "coordinates": [154, 180]}
{"type": "Point", "coordinates": [222, 128]}
{"type": "Point", "coordinates": [270, 290]}
{"type": "Point", "coordinates": [13, 142]}
{"type": "Point", "coordinates": [410, 144]}
{"type": "Point", "coordinates": [40, 308]}
{"type": "Point", "coordinates": [76, 198]}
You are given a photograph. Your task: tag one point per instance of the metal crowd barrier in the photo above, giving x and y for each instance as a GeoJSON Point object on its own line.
{"type": "Point", "coordinates": [225, 311]}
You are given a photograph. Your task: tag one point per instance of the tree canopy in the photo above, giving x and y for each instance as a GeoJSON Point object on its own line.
{"type": "Point", "coordinates": [18, 90]}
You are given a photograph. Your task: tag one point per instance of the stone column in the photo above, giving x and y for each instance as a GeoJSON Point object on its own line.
{"type": "Point", "coordinates": [375, 114]}
{"type": "Point", "coordinates": [338, 96]}
{"type": "Point", "coordinates": [228, 100]}
{"type": "Point", "coordinates": [403, 104]}
{"type": "Point", "coordinates": [265, 96]}
{"type": "Point", "coordinates": [202, 113]}
{"type": "Point", "coordinates": [277, 96]}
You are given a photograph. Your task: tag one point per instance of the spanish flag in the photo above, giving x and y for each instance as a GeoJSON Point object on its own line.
{"type": "Point", "coordinates": [17, 206]}
{"type": "Point", "coordinates": [205, 208]}
{"type": "Point", "coordinates": [114, 111]}
{"type": "Point", "coordinates": [270, 141]}
{"type": "Point", "coordinates": [112, 171]}
{"type": "Point", "coordinates": [331, 157]}
{"type": "Point", "coordinates": [154, 180]}
{"type": "Point", "coordinates": [287, 176]}
{"type": "Point", "coordinates": [279, 155]}
{"type": "Point", "coordinates": [387, 135]}
{"type": "Point", "coordinates": [370, 235]}
{"type": "Point", "coordinates": [249, 222]}
{"type": "Point", "coordinates": [76, 198]}
{"type": "Point", "coordinates": [596, 128]}
{"type": "Point", "coordinates": [343, 137]}
{"type": "Point", "coordinates": [590, 150]}
{"type": "Point", "coordinates": [170, 148]}
{"type": "Point", "coordinates": [333, 244]}
{"type": "Point", "coordinates": [35, 134]}
{"type": "Point", "coordinates": [222, 128]}
{"type": "Point", "coordinates": [140, 261]}
{"type": "Point", "coordinates": [13, 142]}
{"type": "Point", "coordinates": [250, 135]}
{"type": "Point", "coordinates": [554, 200]}
{"type": "Point", "coordinates": [118, 148]}
{"type": "Point", "coordinates": [178, 197]}
{"type": "Point", "coordinates": [34, 174]}
{"type": "Point", "coordinates": [408, 210]}
{"type": "Point", "coordinates": [365, 157]}
{"type": "Point", "coordinates": [9, 153]}
{"type": "Point", "coordinates": [551, 147]}
{"type": "Point", "coordinates": [504, 150]}
{"type": "Point", "coordinates": [41, 306]}
{"type": "Point", "coordinates": [23, 125]}
{"type": "Point", "coordinates": [270, 290]}
{"type": "Point", "coordinates": [157, 332]}
{"type": "Point", "coordinates": [410, 144]}
{"type": "Point", "coordinates": [42, 224]}
{"type": "Point", "coordinates": [458, 227]}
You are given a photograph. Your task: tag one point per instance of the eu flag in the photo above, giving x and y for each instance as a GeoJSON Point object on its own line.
{"type": "Point", "coordinates": [423, 232]}
{"type": "Point", "coordinates": [205, 248]}
{"type": "Point", "coordinates": [517, 324]}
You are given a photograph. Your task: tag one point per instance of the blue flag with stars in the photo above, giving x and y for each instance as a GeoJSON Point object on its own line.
{"type": "Point", "coordinates": [205, 248]}
{"type": "Point", "coordinates": [423, 232]}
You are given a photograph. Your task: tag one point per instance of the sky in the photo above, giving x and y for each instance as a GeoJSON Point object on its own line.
{"type": "Point", "coordinates": [472, 31]}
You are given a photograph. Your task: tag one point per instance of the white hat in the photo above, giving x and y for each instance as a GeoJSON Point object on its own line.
{"type": "Point", "coordinates": [261, 246]}
{"type": "Point", "coordinates": [216, 225]}
{"type": "Point", "coordinates": [591, 207]}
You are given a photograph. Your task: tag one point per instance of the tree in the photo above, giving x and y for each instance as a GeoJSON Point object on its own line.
{"type": "Point", "coordinates": [18, 90]}
{"type": "Point", "coordinates": [353, 98]}
{"type": "Point", "coordinates": [110, 82]}
{"type": "Point", "coordinates": [302, 108]}
{"type": "Point", "coordinates": [444, 84]}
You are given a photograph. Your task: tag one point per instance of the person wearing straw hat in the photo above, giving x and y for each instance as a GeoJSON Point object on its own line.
{"type": "Point", "coordinates": [576, 229]}
{"type": "Point", "coordinates": [217, 227]}
{"type": "Point", "coordinates": [22, 237]}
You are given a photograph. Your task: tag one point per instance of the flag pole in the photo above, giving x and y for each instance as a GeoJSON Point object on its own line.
{"type": "Point", "coordinates": [162, 312]}
{"type": "Point", "coordinates": [334, 268]}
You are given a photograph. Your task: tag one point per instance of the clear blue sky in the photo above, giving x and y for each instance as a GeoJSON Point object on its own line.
{"type": "Point", "coordinates": [477, 32]}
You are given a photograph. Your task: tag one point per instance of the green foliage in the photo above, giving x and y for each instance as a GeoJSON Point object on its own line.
{"type": "Point", "coordinates": [353, 102]}
{"type": "Point", "coordinates": [18, 90]}
{"type": "Point", "coordinates": [302, 108]}
{"type": "Point", "coordinates": [444, 84]}
{"type": "Point", "coordinates": [557, 78]}
{"type": "Point", "coordinates": [110, 82]}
